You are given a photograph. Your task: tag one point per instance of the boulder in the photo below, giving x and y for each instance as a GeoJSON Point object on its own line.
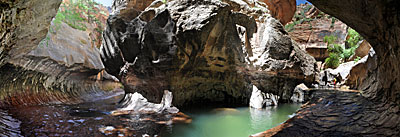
{"type": "Point", "coordinates": [257, 98]}
{"type": "Point", "coordinates": [298, 94]}
{"type": "Point", "coordinates": [359, 72]}
{"type": "Point", "coordinates": [205, 52]}
{"type": "Point", "coordinates": [137, 103]}
{"type": "Point", "coordinates": [362, 50]}
{"type": "Point", "coordinates": [343, 72]}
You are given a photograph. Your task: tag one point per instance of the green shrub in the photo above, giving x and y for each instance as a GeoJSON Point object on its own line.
{"type": "Point", "coordinates": [338, 53]}
{"type": "Point", "coordinates": [354, 38]}
{"type": "Point", "coordinates": [333, 61]}
{"type": "Point", "coordinates": [357, 59]}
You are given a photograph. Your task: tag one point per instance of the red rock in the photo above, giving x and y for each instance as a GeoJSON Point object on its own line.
{"type": "Point", "coordinates": [283, 10]}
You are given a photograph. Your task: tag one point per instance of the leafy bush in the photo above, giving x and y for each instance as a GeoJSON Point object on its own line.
{"type": "Point", "coordinates": [333, 61]}
{"type": "Point", "coordinates": [354, 38]}
{"type": "Point", "coordinates": [357, 59]}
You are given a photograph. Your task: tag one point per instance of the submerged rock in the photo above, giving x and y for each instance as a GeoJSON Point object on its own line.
{"type": "Point", "coordinates": [204, 51]}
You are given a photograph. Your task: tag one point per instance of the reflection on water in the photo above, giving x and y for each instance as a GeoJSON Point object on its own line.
{"type": "Point", "coordinates": [93, 119]}
{"type": "Point", "coordinates": [238, 122]}
{"type": "Point", "coordinates": [86, 119]}
{"type": "Point", "coordinates": [8, 125]}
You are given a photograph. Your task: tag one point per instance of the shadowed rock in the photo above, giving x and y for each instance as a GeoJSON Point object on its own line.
{"type": "Point", "coordinates": [204, 52]}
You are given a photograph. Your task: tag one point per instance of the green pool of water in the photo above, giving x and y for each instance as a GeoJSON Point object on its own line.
{"type": "Point", "coordinates": [231, 122]}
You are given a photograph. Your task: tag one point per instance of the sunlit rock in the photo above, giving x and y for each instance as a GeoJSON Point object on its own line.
{"type": "Point", "coordinates": [257, 98]}
{"type": "Point", "coordinates": [204, 51]}
{"type": "Point", "coordinates": [137, 103]}
{"type": "Point", "coordinates": [298, 94]}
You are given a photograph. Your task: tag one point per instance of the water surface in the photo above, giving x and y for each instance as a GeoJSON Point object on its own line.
{"type": "Point", "coordinates": [231, 122]}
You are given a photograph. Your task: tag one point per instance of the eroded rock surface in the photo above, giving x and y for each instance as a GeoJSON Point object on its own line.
{"type": "Point", "coordinates": [23, 25]}
{"type": "Point", "coordinates": [374, 111]}
{"type": "Point", "coordinates": [311, 27]}
{"type": "Point", "coordinates": [283, 10]}
{"type": "Point", "coordinates": [204, 51]}
{"type": "Point", "coordinates": [298, 94]}
{"type": "Point", "coordinates": [61, 68]}
{"type": "Point", "coordinates": [341, 113]}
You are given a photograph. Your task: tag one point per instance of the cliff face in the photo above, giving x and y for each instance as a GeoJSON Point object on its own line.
{"type": "Point", "coordinates": [378, 22]}
{"type": "Point", "coordinates": [283, 10]}
{"type": "Point", "coordinates": [23, 25]}
{"type": "Point", "coordinates": [309, 27]}
{"type": "Point", "coordinates": [62, 66]}
{"type": "Point", "coordinates": [203, 51]}
{"type": "Point", "coordinates": [375, 110]}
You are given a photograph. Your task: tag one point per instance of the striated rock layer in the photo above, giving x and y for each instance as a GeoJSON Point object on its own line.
{"type": "Point", "coordinates": [62, 68]}
{"type": "Point", "coordinates": [203, 52]}
{"type": "Point", "coordinates": [309, 27]}
{"type": "Point", "coordinates": [340, 113]}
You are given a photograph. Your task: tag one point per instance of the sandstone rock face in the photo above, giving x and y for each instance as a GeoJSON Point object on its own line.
{"type": "Point", "coordinates": [313, 26]}
{"type": "Point", "coordinates": [283, 10]}
{"type": "Point", "coordinates": [61, 68]}
{"type": "Point", "coordinates": [204, 51]}
{"type": "Point", "coordinates": [375, 111]}
{"type": "Point", "coordinates": [362, 50]}
{"type": "Point", "coordinates": [340, 113]}
{"type": "Point", "coordinates": [379, 26]}
{"type": "Point", "coordinates": [359, 72]}
{"type": "Point", "coordinates": [130, 9]}
{"type": "Point", "coordinates": [23, 25]}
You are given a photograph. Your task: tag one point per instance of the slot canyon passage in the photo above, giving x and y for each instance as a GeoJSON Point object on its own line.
{"type": "Point", "coordinates": [103, 72]}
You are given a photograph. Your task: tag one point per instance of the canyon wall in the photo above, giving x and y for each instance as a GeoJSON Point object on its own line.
{"type": "Point", "coordinates": [203, 51]}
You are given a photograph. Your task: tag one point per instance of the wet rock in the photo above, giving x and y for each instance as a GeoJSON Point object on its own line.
{"type": "Point", "coordinates": [298, 94]}
{"type": "Point", "coordinates": [205, 52]}
{"type": "Point", "coordinates": [369, 113]}
{"type": "Point", "coordinates": [339, 113]}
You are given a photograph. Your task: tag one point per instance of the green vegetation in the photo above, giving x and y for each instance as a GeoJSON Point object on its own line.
{"type": "Point", "coordinates": [299, 19]}
{"type": "Point", "coordinates": [81, 15]}
{"type": "Point", "coordinates": [77, 13]}
{"type": "Point", "coordinates": [338, 53]}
